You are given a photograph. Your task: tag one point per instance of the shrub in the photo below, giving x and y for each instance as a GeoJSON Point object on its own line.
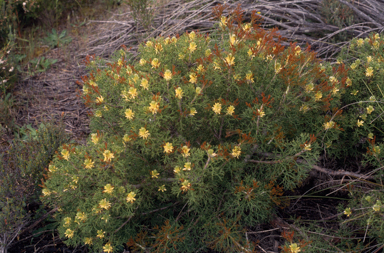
{"type": "Point", "coordinates": [193, 143]}
{"type": "Point", "coordinates": [363, 107]}
{"type": "Point", "coordinates": [21, 172]}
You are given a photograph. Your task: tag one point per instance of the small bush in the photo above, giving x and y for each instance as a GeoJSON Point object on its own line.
{"type": "Point", "coordinates": [193, 143]}
{"type": "Point", "coordinates": [21, 173]}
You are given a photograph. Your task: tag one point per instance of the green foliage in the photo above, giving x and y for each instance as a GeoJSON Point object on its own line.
{"type": "Point", "coordinates": [141, 12]}
{"type": "Point", "coordinates": [55, 39]}
{"type": "Point", "coordinates": [193, 143]}
{"type": "Point", "coordinates": [41, 64]}
{"type": "Point", "coordinates": [21, 170]}
{"type": "Point", "coordinates": [340, 15]}
{"type": "Point", "coordinates": [6, 114]}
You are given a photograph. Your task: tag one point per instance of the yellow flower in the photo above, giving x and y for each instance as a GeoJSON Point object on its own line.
{"type": "Point", "coordinates": [377, 206]}
{"type": "Point", "coordinates": [297, 50]}
{"type": "Point", "coordinates": [193, 111]}
{"type": "Point", "coordinates": [149, 44]}
{"type": "Point", "coordinates": [348, 211]}
{"type": "Point", "coordinates": [144, 83]}
{"type": "Point", "coordinates": [230, 60]}
{"type": "Point", "coordinates": [167, 75]}
{"type": "Point", "coordinates": [185, 151]}
{"type": "Point", "coordinates": [129, 114]}
{"type": "Point", "coordinates": [348, 82]}
{"type": "Point", "coordinates": [52, 168]}
{"type": "Point", "coordinates": [187, 166]}
{"type": "Point", "coordinates": [198, 90]}
{"type": "Point", "coordinates": [133, 92]}
{"type": "Point", "coordinates": [230, 110]}
{"type": "Point", "coordinates": [223, 22]}
{"type": "Point", "coordinates": [370, 136]}
{"type": "Point", "coordinates": [98, 114]}
{"type": "Point", "coordinates": [65, 154]}
{"type": "Point", "coordinates": [278, 67]}
{"type": "Point", "coordinates": [179, 93]}
{"type": "Point", "coordinates": [192, 35]}
{"type": "Point", "coordinates": [154, 107]}
{"type": "Point", "coordinates": [318, 96]}
{"type": "Point", "coordinates": [46, 192]}
{"type": "Point", "coordinates": [369, 59]}
{"type": "Point", "coordinates": [181, 57]}
{"type": "Point", "coordinates": [144, 133]}
{"type": "Point", "coordinates": [193, 78]}
{"type": "Point", "coordinates": [307, 147]}
{"type": "Point", "coordinates": [372, 98]}
{"type": "Point", "coordinates": [168, 148]}
{"type": "Point", "coordinates": [250, 53]}
{"type": "Point", "coordinates": [304, 108]}
{"type": "Point", "coordinates": [69, 233]}
{"type": "Point", "coordinates": [370, 109]}
{"type": "Point", "coordinates": [185, 185]}
{"type": "Point", "coordinates": [155, 174]}
{"type": "Point", "coordinates": [192, 46]}
{"type": "Point", "coordinates": [167, 41]}
{"type": "Point", "coordinates": [309, 87]}
{"type": "Point", "coordinates": [208, 52]}
{"type": "Point", "coordinates": [376, 149]}
{"type": "Point", "coordinates": [353, 66]}
{"type": "Point", "coordinates": [233, 40]}
{"type": "Point", "coordinates": [88, 163]}
{"type": "Point", "coordinates": [200, 68]}
{"type": "Point", "coordinates": [108, 155]}
{"type": "Point", "coordinates": [108, 188]}
{"type": "Point", "coordinates": [261, 113]}
{"type": "Point", "coordinates": [67, 221]}
{"type": "Point", "coordinates": [100, 233]}
{"type": "Point", "coordinates": [236, 77]}
{"type": "Point", "coordinates": [177, 170]}
{"type": "Point", "coordinates": [333, 79]}
{"type": "Point", "coordinates": [360, 42]}
{"type": "Point", "coordinates": [328, 125]}
{"type": "Point", "coordinates": [249, 77]}
{"type": "Point", "coordinates": [158, 48]}
{"type": "Point", "coordinates": [294, 248]}
{"type": "Point", "coordinates": [360, 123]}
{"type": "Point", "coordinates": [216, 65]}
{"type": "Point", "coordinates": [216, 108]}
{"type": "Point", "coordinates": [162, 188]}
{"type": "Point", "coordinates": [135, 78]}
{"type": "Point", "coordinates": [236, 151]}
{"type": "Point", "coordinates": [94, 138]}
{"type": "Point", "coordinates": [155, 63]}
{"type": "Point", "coordinates": [174, 39]}
{"type": "Point", "coordinates": [104, 204]}
{"type": "Point", "coordinates": [100, 99]}
{"type": "Point", "coordinates": [92, 83]}
{"type": "Point", "coordinates": [88, 240]}
{"type": "Point", "coordinates": [126, 138]}
{"type": "Point", "coordinates": [248, 26]}
{"type": "Point", "coordinates": [81, 216]}
{"type": "Point", "coordinates": [108, 248]}
{"type": "Point", "coordinates": [369, 72]}
{"type": "Point", "coordinates": [354, 92]}
{"type": "Point", "coordinates": [142, 62]}
{"type": "Point", "coordinates": [335, 90]}
{"type": "Point", "coordinates": [131, 197]}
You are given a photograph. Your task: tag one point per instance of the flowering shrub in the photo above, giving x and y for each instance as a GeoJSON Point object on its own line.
{"type": "Point", "coordinates": [193, 142]}
{"type": "Point", "coordinates": [363, 106]}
